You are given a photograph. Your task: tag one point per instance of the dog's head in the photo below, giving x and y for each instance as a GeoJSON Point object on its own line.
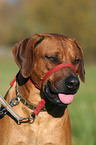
{"type": "Point", "coordinates": [38, 54]}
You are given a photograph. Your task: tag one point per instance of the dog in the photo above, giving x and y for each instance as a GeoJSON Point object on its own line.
{"type": "Point", "coordinates": [35, 56]}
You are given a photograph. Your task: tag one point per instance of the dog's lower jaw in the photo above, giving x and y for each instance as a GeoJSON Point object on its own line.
{"type": "Point", "coordinates": [55, 110]}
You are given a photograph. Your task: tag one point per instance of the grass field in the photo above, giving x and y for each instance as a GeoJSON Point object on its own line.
{"type": "Point", "coordinates": [82, 110]}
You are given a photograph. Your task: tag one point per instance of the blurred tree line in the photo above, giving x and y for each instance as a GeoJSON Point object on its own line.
{"type": "Point", "coordinates": [73, 18]}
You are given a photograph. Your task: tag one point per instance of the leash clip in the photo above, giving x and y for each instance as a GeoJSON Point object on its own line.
{"type": "Point", "coordinates": [29, 119]}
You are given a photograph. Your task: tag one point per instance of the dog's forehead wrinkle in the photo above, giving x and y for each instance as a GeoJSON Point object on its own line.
{"type": "Point", "coordinates": [51, 51]}
{"type": "Point", "coordinates": [54, 49]}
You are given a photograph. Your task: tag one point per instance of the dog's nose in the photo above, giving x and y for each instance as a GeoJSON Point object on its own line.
{"type": "Point", "coordinates": [72, 83]}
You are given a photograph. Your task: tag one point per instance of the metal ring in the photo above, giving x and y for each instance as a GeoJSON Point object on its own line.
{"type": "Point", "coordinates": [13, 103]}
{"type": "Point", "coordinates": [16, 99]}
{"type": "Point", "coordinates": [32, 118]}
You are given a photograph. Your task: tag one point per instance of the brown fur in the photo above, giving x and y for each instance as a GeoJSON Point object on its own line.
{"type": "Point", "coordinates": [29, 55]}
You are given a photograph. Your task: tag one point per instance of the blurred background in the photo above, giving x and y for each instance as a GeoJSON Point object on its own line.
{"type": "Point", "coordinates": [73, 18]}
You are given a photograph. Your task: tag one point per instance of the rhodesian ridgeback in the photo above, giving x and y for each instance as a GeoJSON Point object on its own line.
{"type": "Point", "coordinates": [35, 56]}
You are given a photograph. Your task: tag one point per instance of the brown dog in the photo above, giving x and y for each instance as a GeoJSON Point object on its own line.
{"type": "Point", "coordinates": [35, 56]}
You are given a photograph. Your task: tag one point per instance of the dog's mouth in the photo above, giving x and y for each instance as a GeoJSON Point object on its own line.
{"type": "Point", "coordinates": [63, 91]}
{"type": "Point", "coordinates": [57, 97]}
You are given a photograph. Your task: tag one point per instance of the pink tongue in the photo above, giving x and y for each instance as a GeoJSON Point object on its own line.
{"type": "Point", "coordinates": [66, 99]}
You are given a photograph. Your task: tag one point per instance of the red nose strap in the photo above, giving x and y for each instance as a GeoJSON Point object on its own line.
{"type": "Point", "coordinates": [54, 69]}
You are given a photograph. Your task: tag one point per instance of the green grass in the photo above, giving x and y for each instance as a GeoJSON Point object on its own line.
{"type": "Point", "coordinates": [82, 110]}
{"type": "Point", "coordinates": [8, 70]}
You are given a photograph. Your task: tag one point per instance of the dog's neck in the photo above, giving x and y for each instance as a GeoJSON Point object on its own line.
{"type": "Point", "coordinates": [30, 93]}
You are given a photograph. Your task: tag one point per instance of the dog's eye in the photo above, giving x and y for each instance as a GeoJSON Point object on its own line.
{"type": "Point", "coordinates": [77, 61]}
{"type": "Point", "coordinates": [51, 58]}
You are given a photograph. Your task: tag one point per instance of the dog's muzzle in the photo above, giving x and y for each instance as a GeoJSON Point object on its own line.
{"type": "Point", "coordinates": [64, 90]}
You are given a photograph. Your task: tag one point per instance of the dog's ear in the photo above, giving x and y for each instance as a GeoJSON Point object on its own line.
{"type": "Point", "coordinates": [81, 70]}
{"type": "Point", "coordinates": [23, 53]}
